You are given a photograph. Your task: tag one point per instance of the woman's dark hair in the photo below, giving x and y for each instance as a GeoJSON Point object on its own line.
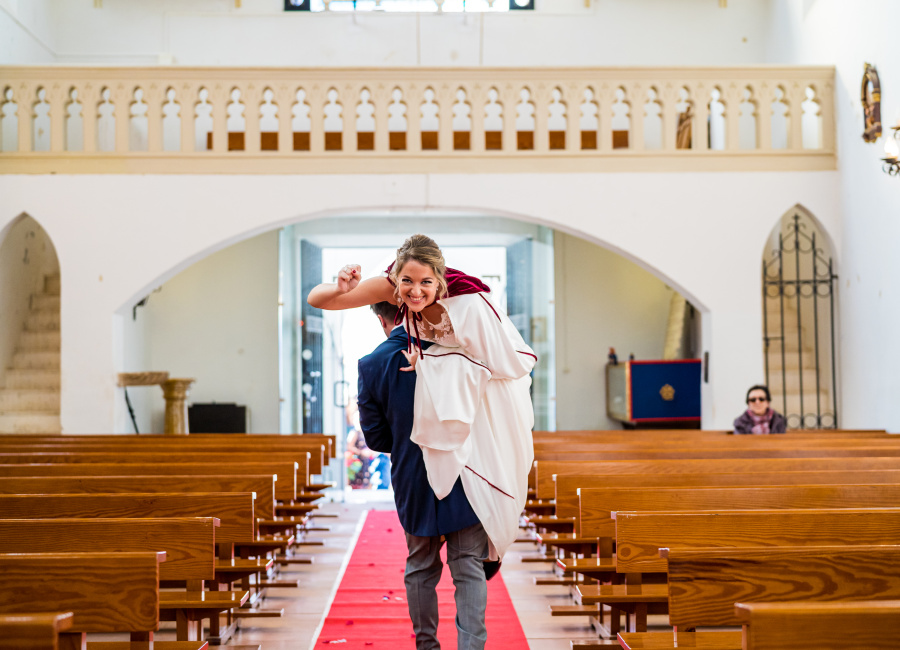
{"type": "Point", "coordinates": [765, 389]}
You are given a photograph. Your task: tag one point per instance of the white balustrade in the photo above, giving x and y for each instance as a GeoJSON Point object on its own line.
{"type": "Point", "coordinates": [236, 120]}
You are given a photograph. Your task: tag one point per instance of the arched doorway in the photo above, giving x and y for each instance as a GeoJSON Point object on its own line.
{"type": "Point", "coordinates": [799, 293]}
{"type": "Point", "coordinates": [29, 330]}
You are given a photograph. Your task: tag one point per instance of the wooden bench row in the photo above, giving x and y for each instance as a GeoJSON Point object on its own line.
{"type": "Point", "coordinates": [602, 498]}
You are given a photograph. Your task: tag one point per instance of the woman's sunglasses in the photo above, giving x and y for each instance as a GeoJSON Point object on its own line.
{"type": "Point", "coordinates": [757, 399]}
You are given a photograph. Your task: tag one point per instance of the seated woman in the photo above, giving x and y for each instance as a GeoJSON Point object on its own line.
{"type": "Point", "coordinates": [759, 416]}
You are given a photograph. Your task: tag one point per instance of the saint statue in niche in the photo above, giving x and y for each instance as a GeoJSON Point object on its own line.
{"type": "Point", "coordinates": [871, 101]}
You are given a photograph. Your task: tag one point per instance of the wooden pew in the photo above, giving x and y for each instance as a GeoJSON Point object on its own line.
{"type": "Point", "coordinates": [190, 549]}
{"type": "Point", "coordinates": [262, 485]}
{"type": "Point", "coordinates": [130, 453]}
{"type": "Point", "coordinates": [597, 505]}
{"type": "Point", "coordinates": [546, 470]}
{"type": "Point", "coordinates": [724, 452]}
{"type": "Point", "coordinates": [285, 490]}
{"type": "Point", "coordinates": [106, 592]}
{"type": "Point", "coordinates": [705, 584]}
{"type": "Point", "coordinates": [234, 510]}
{"type": "Point", "coordinates": [820, 626]}
{"type": "Point", "coordinates": [288, 474]}
{"type": "Point", "coordinates": [640, 535]}
{"type": "Point", "coordinates": [34, 631]}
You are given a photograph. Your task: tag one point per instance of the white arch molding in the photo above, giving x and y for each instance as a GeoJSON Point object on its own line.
{"type": "Point", "coordinates": [699, 232]}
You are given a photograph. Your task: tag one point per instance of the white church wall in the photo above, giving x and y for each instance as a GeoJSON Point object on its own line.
{"type": "Point", "coordinates": [602, 301]}
{"type": "Point", "coordinates": [26, 32]}
{"type": "Point", "coordinates": [216, 322]}
{"type": "Point", "coordinates": [702, 233]}
{"type": "Point", "coordinates": [848, 35]}
{"type": "Point", "coordinates": [215, 32]}
{"type": "Point", "coordinates": [26, 256]}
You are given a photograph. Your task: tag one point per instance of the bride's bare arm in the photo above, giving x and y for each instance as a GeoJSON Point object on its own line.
{"type": "Point", "coordinates": [349, 292]}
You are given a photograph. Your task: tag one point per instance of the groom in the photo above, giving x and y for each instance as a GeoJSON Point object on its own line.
{"type": "Point", "coordinates": [386, 403]}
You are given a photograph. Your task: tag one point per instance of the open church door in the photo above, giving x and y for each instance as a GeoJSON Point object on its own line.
{"type": "Point", "coordinates": [312, 328]}
{"type": "Point", "coordinates": [519, 263]}
{"type": "Point", "coordinates": [529, 305]}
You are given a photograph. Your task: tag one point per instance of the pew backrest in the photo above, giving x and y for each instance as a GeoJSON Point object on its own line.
{"type": "Point", "coordinates": [189, 542]}
{"type": "Point", "coordinates": [704, 584]}
{"type": "Point", "coordinates": [567, 486]}
{"type": "Point", "coordinates": [233, 509]}
{"type": "Point", "coordinates": [106, 592]}
{"type": "Point", "coordinates": [640, 535]}
{"type": "Point", "coordinates": [289, 474]}
{"type": "Point", "coordinates": [545, 470]}
{"type": "Point", "coordinates": [262, 485]}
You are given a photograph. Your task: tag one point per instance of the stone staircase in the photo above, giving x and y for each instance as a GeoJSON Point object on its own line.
{"type": "Point", "coordinates": [29, 400]}
{"type": "Point", "coordinates": [786, 385]}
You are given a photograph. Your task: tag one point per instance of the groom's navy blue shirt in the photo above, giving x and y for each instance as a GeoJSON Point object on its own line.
{"type": "Point", "coordinates": [386, 402]}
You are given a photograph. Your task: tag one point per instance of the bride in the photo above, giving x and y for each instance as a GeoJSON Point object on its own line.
{"type": "Point", "coordinates": [473, 413]}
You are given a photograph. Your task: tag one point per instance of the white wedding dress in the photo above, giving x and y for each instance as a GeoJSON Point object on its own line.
{"type": "Point", "coordinates": [473, 412]}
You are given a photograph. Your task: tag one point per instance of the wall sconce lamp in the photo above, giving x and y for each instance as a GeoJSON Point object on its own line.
{"type": "Point", "coordinates": [891, 158]}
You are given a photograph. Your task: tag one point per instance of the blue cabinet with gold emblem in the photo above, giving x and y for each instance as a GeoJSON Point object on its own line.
{"type": "Point", "coordinates": [659, 393]}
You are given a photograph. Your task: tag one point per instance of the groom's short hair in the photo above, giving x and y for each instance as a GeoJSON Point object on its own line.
{"type": "Point", "coordinates": [387, 310]}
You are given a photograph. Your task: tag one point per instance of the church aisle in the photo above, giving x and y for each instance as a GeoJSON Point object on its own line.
{"type": "Point", "coordinates": [306, 607]}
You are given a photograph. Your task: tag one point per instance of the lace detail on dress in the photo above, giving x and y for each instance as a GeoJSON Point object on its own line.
{"type": "Point", "coordinates": [441, 333]}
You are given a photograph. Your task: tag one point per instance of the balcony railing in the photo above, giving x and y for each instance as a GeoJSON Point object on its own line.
{"type": "Point", "coordinates": [408, 120]}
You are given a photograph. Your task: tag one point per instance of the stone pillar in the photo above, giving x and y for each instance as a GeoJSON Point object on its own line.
{"type": "Point", "coordinates": [176, 391]}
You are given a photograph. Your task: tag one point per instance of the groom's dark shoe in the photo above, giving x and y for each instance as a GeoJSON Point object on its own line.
{"type": "Point", "coordinates": [491, 569]}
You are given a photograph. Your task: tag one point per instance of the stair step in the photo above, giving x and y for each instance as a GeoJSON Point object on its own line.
{"type": "Point", "coordinates": [24, 400]}
{"type": "Point", "coordinates": [32, 379]}
{"type": "Point", "coordinates": [42, 321]}
{"type": "Point", "coordinates": [52, 284]}
{"type": "Point", "coordinates": [36, 360]}
{"type": "Point", "coordinates": [43, 302]}
{"type": "Point", "coordinates": [33, 423]}
{"type": "Point", "coordinates": [35, 341]}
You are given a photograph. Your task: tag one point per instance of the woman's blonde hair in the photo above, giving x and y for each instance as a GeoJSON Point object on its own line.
{"type": "Point", "coordinates": [423, 250]}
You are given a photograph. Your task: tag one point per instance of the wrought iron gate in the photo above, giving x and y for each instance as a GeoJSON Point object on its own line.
{"type": "Point", "coordinates": [801, 366]}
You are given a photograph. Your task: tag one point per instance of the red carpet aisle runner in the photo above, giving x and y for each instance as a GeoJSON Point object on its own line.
{"type": "Point", "coordinates": [369, 609]}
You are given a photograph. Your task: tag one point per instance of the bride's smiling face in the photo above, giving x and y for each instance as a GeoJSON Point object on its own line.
{"type": "Point", "coordinates": [418, 285]}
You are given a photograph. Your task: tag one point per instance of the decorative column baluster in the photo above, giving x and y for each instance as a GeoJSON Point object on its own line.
{"type": "Point", "coordinates": [573, 95]}
{"type": "Point", "coordinates": [56, 96]}
{"type": "Point", "coordinates": [796, 97]}
{"type": "Point", "coordinates": [90, 100]}
{"type": "Point", "coordinates": [381, 98]}
{"type": "Point", "coordinates": [540, 97]}
{"type": "Point", "coordinates": [637, 98]}
{"type": "Point", "coordinates": [606, 97]}
{"type": "Point", "coordinates": [252, 97]}
{"type": "Point", "coordinates": [349, 99]}
{"type": "Point", "coordinates": [700, 127]}
{"type": "Point", "coordinates": [764, 93]}
{"type": "Point", "coordinates": [219, 96]}
{"type": "Point", "coordinates": [669, 100]}
{"type": "Point", "coordinates": [154, 95]}
{"type": "Point", "coordinates": [445, 97]}
{"type": "Point", "coordinates": [476, 95]}
{"type": "Point", "coordinates": [285, 99]}
{"type": "Point", "coordinates": [413, 98]}
{"type": "Point", "coordinates": [188, 104]}
{"type": "Point", "coordinates": [317, 96]}
{"type": "Point", "coordinates": [121, 98]}
{"type": "Point", "coordinates": [732, 98]}
{"type": "Point", "coordinates": [509, 99]}
{"type": "Point", "coordinates": [25, 100]}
